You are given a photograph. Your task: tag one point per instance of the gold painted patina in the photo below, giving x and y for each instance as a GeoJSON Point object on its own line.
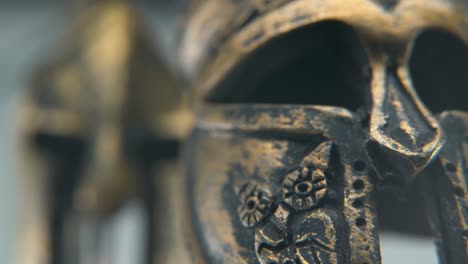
{"type": "Point", "coordinates": [307, 111]}
{"type": "Point", "coordinates": [277, 79]}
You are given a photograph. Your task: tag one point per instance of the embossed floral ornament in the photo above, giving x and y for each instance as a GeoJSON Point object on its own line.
{"type": "Point", "coordinates": [286, 237]}
{"type": "Point", "coordinates": [292, 230]}
{"type": "Point", "coordinates": [255, 204]}
{"type": "Point", "coordinates": [306, 186]}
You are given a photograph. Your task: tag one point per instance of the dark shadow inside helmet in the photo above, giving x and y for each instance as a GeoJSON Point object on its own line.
{"type": "Point", "coordinates": [322, 64]}
{"type": "Point", "coordinates": [439, 69]}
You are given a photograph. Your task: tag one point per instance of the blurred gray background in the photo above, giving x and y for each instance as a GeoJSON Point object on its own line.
{"type": "Point", "coordinates": [28, 32]}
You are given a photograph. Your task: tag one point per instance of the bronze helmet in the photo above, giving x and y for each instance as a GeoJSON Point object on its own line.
{"type": "Point", "coordinates": [306, 109]}
{"type": "Point", "coordinates": [101, 126]}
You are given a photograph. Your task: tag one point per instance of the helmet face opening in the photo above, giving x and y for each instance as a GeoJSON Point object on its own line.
{"type": "Point", "coordinates": [321, 64]}
{"type": "Point", "coordinates": [437, 65]}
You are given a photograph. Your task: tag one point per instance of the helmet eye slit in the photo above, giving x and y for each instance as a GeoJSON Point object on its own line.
{"type": "Point", "coordinates": [438, 66]}
{"type": "Point", "coordinates": [321, 64]}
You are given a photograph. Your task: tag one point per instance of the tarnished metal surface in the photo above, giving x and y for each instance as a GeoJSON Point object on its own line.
{"type": "Point", "coordinates": [306, 111]}
{"type": "Point", "coordinates": [265, 146]}
{"type": "Point", "coordinates": [447, 191]}
{"type": "Point", "coordinates": [263, 71]}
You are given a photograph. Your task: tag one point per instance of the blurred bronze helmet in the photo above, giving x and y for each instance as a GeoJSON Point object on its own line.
{"type": "Point", "coordinates": [96, 119]}
{"type": "Point", "coordinates": [307, 108]}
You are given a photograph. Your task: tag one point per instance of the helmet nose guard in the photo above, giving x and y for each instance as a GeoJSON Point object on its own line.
{"type": "Point", "coordinates": [403, 135]}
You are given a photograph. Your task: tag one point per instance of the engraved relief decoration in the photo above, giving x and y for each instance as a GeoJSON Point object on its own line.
{"type": "Point", "coordinates": [292, 228]}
